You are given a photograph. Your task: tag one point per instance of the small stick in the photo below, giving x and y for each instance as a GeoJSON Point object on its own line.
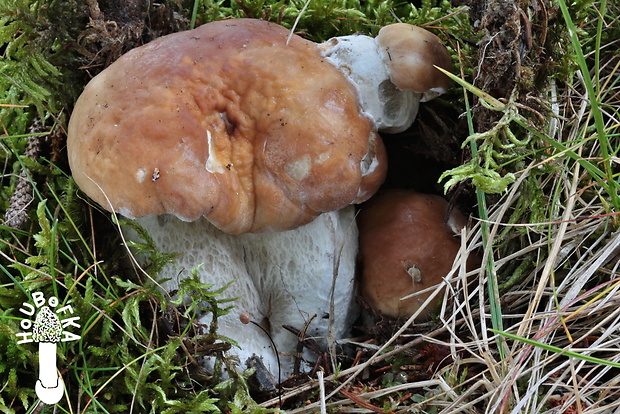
{"type": "Point", "coordinates": [319, 375]}
{"type": "Point", "coordinates": [363, 403]}
{"type": "Point", "coordinates": [245, 318]}
{"type": "Point", "coordinates": [303, 10]}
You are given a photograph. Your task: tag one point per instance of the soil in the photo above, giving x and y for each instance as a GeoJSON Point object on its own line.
{"type": "Point", "coordinates": [117, 26]}
{"type": "Point", "coordinates": [512, 54]}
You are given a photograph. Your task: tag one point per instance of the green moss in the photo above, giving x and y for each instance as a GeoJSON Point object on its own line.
{"type": "Point", "coordinates": [322, 19]}
{"type": "Point", "coordinates": [34, 41]}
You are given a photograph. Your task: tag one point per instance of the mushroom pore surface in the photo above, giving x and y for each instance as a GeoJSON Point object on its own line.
{"type": "Point", "coordinates": [228, 122]}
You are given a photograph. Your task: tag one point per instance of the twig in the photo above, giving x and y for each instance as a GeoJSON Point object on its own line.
{"type": "Point", "coordinates": [319, 376]}
{"type": "Point", "coordinates": [362, 403]}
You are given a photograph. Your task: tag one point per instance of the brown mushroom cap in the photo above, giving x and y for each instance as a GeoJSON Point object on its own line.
{"type": "Point", "coordinates": [405, 248]}
{"type": "Point", "coordinates": [411, 53]}
{"type": "Point", "coordinates": [228, 122]}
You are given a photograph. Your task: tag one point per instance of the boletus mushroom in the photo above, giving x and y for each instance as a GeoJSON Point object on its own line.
{"type": "Point", "coordinates": [393, 72]}
{"type": "Point", "coordinates": [225, 143]}
{"type": "Point", "coordinates": [227, 122]}
{"type": "Point", "coordinates": [408, 243]}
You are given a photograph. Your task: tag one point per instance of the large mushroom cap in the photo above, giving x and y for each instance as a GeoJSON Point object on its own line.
{"type": "Point", "coordinates": [228, 122]}
{"type": "Point", "coordinates": [412, 52]}
{"type": "Point", "coordinates": [407, 245]}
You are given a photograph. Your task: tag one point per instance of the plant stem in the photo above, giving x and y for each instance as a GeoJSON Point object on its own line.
{"type": "Point", "coordinates": [192, 23]}
{"type": "Point", "coordinates": [492, 288]}
{"type": "Point", "coordinates": [593, 96]}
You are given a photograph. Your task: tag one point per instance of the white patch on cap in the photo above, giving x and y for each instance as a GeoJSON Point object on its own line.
{"type": "Point", "coordinates": [370, 162]}
{"type": "Point", "coordinates": [299, 169]}
{"type": "Point", "coordinates": [213, 164]}
{"type": "Point", "coordinates": [140, 175]}
{"type": "Point", "coordinates": [125, 212]}
{"type": "Point", "coordinates": [322, 157]}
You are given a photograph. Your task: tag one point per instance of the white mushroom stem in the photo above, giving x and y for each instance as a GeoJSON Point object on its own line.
{"type": "Point", "coordinates": [281, 278]}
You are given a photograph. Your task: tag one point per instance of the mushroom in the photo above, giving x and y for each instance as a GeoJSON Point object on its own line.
{"type": "Point", "coordinates": [407, 244]}
{"type": "Point", "coordinates": [208, 136]}
{"type": "Point", "coordinates": [47, 332]}
{"type": "Point", "coordinates": [225, 143]}
{"type": "Point", "coordinates": [302, 278]}
{"type": "Point", "coordinates": [411, 54]}
{"type": "Point", "coordinates": [393, 72]}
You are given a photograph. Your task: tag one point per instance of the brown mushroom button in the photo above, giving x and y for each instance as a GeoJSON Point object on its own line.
{"type": "Point", "coordinates": [228, 122]}
{"type": "Point", "coordinates": [413, 54]}
{"type": "Point", "coordinates": [405, 248]}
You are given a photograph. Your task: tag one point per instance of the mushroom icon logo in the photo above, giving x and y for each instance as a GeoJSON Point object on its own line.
{"type": "Point", "coordinates": [47, 330]}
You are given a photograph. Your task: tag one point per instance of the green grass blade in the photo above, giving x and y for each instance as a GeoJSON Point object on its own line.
{"type": "Point", "coordinates": [558, 350]}
{"type": "Point", "coordinates": [492, 285]}
{"type": "Point", "coordinates": [593, 97]}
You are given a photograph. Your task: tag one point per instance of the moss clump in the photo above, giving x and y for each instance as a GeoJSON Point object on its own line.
{"type": "Point", "coordinates": [36, 68]}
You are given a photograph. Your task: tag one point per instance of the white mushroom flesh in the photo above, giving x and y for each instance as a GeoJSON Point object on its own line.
{"type": "Point", "coordinates": [359, 57]}
{"type": "Point", "coordinates": [281, 278]}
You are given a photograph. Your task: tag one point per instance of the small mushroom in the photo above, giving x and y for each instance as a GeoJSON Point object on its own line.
{"type": "Point", "coordinates": [411, 54]}
{"type": "Point", "coordinates": [393, 72]}
{"type": "Point", "coordinates": [47, 332]}
{"type": "Point", "coordinates": [407, 244]}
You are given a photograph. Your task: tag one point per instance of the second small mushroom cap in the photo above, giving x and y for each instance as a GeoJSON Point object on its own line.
{"type": "Point", "coordinates": [229, 122]}
{"type": "Point", "coordinates": [406, 245]}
